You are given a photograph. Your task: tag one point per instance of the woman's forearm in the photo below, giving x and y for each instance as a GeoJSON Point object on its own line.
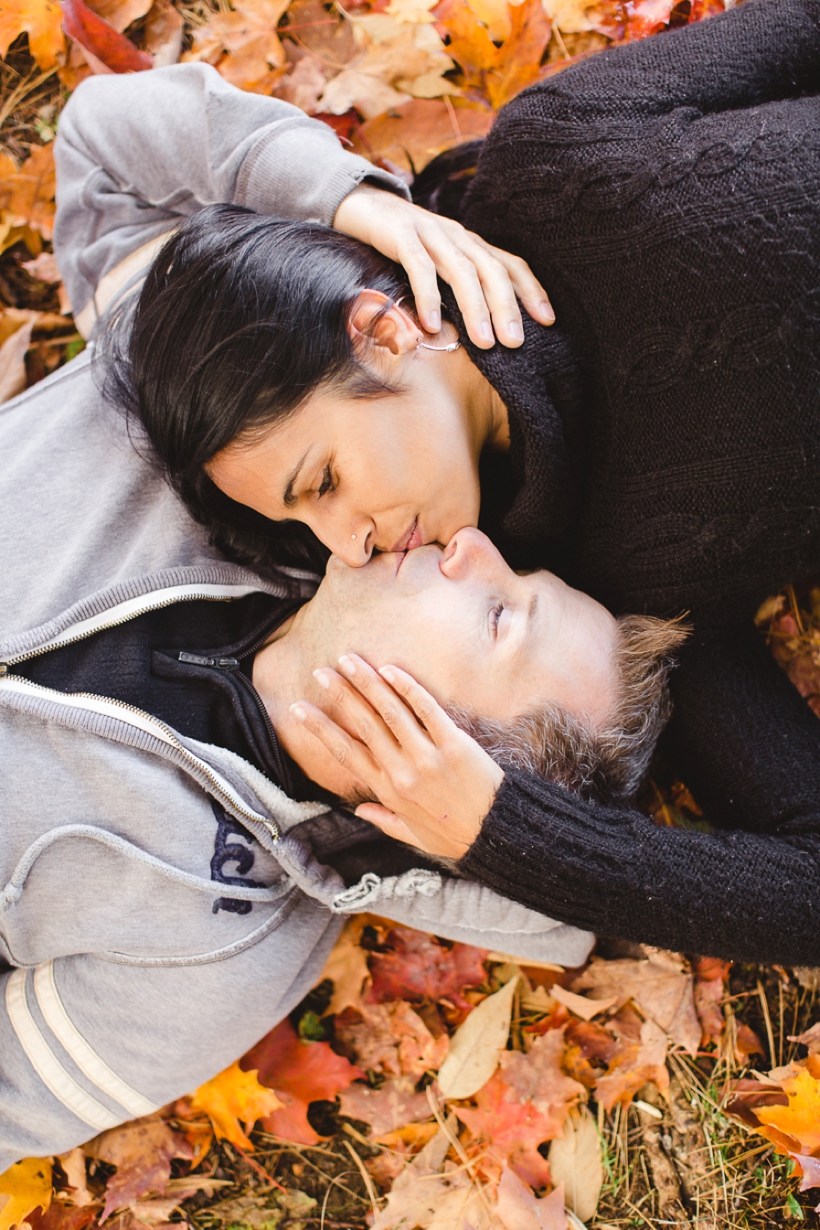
{"type": "Point", "coordinates": [735, 895]}
{"type": "Point", "coordinates": [137, 153]}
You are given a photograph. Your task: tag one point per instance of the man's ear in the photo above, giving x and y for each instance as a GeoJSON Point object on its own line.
{"type": "Point", "coordinates": [372, 320]}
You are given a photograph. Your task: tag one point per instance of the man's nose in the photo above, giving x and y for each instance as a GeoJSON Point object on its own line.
{"type": "Point", "coordinates": [465, 551]}
{"type": "Point", "coordinates": [353, 544]}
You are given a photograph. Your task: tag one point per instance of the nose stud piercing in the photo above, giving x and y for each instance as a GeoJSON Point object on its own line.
{"type": "Point", "coordinates": [353, 536]}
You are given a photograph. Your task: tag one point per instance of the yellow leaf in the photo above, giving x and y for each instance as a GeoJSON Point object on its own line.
{"type": "Point", "coordinates": [42, 20]}
{"type": "Point", "coordinates": [232, 1096]}
{"type": "Point", "coordinates": [801, 1118]}
{"type": "Point", "coordinates": [27, 1185]}
{"type": "Point", "coordinates": [27, 195]}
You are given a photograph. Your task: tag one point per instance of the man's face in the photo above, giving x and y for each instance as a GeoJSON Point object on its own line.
{"type": "Point", "coordinates": [470, 630]}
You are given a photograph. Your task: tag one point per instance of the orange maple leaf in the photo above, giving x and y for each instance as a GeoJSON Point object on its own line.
{"type": "Point", "coordinates": [232, 1096]}
{"type": "Point", "coordinates": [801, 1118]}
{"type": "Point", "coordinates": [42, 20]}
{"type": "Point", "coordinates": [142, 1152]}
{"type": "Point", "coordinates": [27, 195]}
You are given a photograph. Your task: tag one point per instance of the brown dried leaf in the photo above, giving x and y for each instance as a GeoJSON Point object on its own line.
{"type": "Point", "coordinates": [518, 1208]}
{"type": "Point", "coordinates": [243, 45]}
{"type": "Point", "coordinates": [575, 1160]}
{"type": "Point", "coordinates": [385, 1109]}
{"type": "Point", "coordinates": [659, 985]}
{"type": "Point", "coordinates": [142, 1151]}
{"type": "Point", "coordinates": [391, 1038]}
{"type": "Point", "coordinates": [633, 1065]}
{"type": "Point", "coordinates": [419, 130]}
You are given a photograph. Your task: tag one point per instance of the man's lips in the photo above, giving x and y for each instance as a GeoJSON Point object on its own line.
{"type": "Point", "coordinates": [410, 539]}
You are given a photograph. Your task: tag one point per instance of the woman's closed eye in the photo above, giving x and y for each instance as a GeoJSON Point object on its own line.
{"type": "Point", "coordinates": [495, 616]}
{"type": "Point", "coordinates": [327, 485]}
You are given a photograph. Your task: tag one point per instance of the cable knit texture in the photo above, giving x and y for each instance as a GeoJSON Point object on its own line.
{"type": "Point", "coordinates": [668, 195]}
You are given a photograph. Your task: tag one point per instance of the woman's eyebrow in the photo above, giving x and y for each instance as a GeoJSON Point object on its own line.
{"type": "Point", "coordinates": [288, 496]}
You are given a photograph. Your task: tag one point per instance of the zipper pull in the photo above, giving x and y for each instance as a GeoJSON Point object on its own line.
{"type": "Point", "coordinates": [195, 659]}
{"type": "Point", "coordinates": [4, 670]}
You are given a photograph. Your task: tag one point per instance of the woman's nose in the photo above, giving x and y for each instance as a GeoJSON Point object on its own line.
{"type": "Point", "coordinates": [355, 546]}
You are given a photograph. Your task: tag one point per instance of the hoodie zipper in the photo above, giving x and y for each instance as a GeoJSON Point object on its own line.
{"type": "Point", "coordinates": [65, 698]}
{"type": "Point", "coordinates": [58, 642]}
{"type": "Point", "coordinates": [231, 666]}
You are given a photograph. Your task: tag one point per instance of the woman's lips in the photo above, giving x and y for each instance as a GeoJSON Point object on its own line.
{"type": "Point", "coordinates": [411, 539]}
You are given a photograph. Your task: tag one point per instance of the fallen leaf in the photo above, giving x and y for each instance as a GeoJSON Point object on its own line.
{"type": "Point", "coordinates": [243, 45]}
{"type": "Point", "coordinates": [391, 1038]}
{"type": "Point", "coordinates": [26, 1186]}
{"type": "Point", "coordinates": [346, 967]}
{"type": "Point", "coordinates": [575, 1160]}
{"type": "Point", "coordinates": [417, 966]}
{"type": "Point", "coordinates": [434, 1202]}
{"type": "Point", "coordinates": [747, 1043]}
{"type": "Point", "coordinates": [801, 1118]}
{"type": "Point", "coordinates": [44, 268]}
{"type": "Point", "coordinates": [301, 1073]}
{"type": "Point", "coordinates": [41, 20]}
{"type": "Point", "coordinates": [142, 1152]}
{"type": "Point", "coordinates": [633, 1065]}
{"type": "Point", "coordinates": [583, 1007]}
{"type": "Point", "coordinates": [708, 996]}
{"type": "Point", "coordinates": [120, 13]}
{"type": "Point", "coordinates": [13, 359]}
{"type": "Point", "coordinates": [659, 985]}
{"type": "Point", "coordinates": [476, 1046]}
{"type": "Point", "coordinates": [27, 195]}
{"type": "Point", "coordinates": [73, 1165]}
{"type": "Point", "coordinates": [539, 1077]}
{"type": "Point", "coordinates": [387, 1108]}
{"type": "Point", "coordinates": [810, 1038]}
{"type": "Point", "coordinates": [519, 1209]}
{"type": "Point", "coordinates": [512, 1130]}
{"type": "Point", "coordinates": [102, 41]}
{"type": "Point", "coordinates": [810, 1166]}
{"type": "Point", "coordinates": [163, 33]}
{"type": "Point", "coordinates": [518, 61]}
{"type": "Point", "coordinates": [232, 1096]}
{"type": "Point", "coordinates": [413, 134]}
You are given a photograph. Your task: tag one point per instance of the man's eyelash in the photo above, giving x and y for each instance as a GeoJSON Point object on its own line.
{"type": "Point", "coordinates": [326, 485]}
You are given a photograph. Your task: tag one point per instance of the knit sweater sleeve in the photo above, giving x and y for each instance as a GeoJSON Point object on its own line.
{"type": "Point", "coordinates": [759, 52]}
{"type": "Point", "coordinates": [748, 892]}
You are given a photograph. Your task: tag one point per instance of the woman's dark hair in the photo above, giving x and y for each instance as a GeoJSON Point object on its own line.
{"type": "Point", "coordinates": [240, 319]}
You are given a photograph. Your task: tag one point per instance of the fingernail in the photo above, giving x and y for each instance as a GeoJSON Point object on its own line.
{"type": "Point", "coordinates": [486, 331]}
{"type": "Point", "coordinates": [322, 678]}
{"type": "Point", "coordinates": [347, 664]}
{"type": "Point", "coordinates": [299, 713]}
{"type": "Point", "coordinates": [546, 311]}
{"type": "Point", "coordinates": [387, 674]}
{"type": "Point", "coordinates": [516, 330]}
{"type": "Point", "coordinates": [434, 321]}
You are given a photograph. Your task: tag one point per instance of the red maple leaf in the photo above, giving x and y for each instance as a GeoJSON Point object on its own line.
{"type": "Point", "coordinates": [300, 1073]}
{"type": "Point", "coordinates": [418, 967]}
{"type": "Point", "coordinates": [512, 1130]}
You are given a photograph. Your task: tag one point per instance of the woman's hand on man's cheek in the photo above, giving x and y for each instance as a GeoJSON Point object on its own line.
{"type": "Point", "coordinates": [434, 783]}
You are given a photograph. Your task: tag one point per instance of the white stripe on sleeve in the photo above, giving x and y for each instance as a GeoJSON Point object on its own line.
{"type": "Point", "coordinates": [45, 1062]}
{"type": "Point", "coordinates": [85, 1057]}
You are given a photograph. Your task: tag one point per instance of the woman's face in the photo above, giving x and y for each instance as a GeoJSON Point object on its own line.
{"type": "Point", "coordinates": [387, 474]}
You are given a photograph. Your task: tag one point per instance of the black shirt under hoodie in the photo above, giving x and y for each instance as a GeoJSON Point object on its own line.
{"type": "Point", "coordinates": [665, 454]}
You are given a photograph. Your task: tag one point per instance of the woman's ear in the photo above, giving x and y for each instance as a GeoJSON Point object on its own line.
{"type": "Point", "coordinates": [372, 320]}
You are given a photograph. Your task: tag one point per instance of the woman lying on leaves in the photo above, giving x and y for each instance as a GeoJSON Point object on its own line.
{"type": "Point", "coordinates": [658, 447]}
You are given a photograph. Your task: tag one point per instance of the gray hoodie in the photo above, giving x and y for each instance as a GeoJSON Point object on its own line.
{"type": "Point", "coordinates": [121, 987]}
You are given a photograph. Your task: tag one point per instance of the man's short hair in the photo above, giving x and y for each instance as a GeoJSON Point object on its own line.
{"type": "Point", "coordinates": [606, 763]}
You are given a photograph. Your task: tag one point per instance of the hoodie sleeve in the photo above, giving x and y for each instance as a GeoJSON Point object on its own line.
{"type": "Point", "coordinates": [750, 891]}
{"type": "Point", "coordinates": [136, 153]}
{"type": "Point", "coordinates": [89, 1043]}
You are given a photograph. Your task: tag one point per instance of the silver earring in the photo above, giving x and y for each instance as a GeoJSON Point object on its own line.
{"type": "Point", "coordinates": [456, 345]}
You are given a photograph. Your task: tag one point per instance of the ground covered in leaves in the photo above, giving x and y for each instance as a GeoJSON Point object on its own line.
{"type": "Point", "coordinates": [423, 1084]}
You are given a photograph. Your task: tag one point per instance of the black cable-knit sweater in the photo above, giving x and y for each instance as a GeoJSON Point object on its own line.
{"type": "Point", "coordinates": [666, 450]}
